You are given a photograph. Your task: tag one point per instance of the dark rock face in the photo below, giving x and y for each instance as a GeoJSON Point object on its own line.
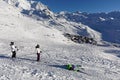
{"type": "Point", "coordinates": [80, 39]}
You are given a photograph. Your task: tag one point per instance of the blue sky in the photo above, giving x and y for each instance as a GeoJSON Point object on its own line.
{"type": "Point", "coordinates": [90, 6]}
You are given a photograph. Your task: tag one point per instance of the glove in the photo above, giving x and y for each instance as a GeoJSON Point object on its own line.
{"type": "Point", "coordinates": [17, 49]}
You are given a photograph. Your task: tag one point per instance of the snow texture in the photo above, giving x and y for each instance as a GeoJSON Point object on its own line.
{"type": "Point", "coordinates": [101, 62]}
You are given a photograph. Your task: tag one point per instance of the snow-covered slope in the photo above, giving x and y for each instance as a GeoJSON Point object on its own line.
{"type": "Point", "coordinates": [75, 28]}
{"type": "Point", "coordinates": [100, 62]}
{"type": "Point", "coordinates": [15, 26]}
{"type": "Point", "coordinates": [42, 13]}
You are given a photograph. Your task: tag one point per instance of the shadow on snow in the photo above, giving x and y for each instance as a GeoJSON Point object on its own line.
{"type": "Point", "coordinates": [17, 58]}
{"type": "Point", "coordinates": [2, 56]}
{"type": "Point", "coordinates": [59, 66]}
{"type": "Point", "coordinates": [114, 52]}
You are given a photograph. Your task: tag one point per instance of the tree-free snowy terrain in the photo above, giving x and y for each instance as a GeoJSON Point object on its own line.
{"type": "Point", "coordinates": [101, 62]}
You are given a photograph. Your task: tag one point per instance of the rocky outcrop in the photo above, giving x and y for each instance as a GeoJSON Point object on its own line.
{"type": "Point", "coordinates": [80, 39]}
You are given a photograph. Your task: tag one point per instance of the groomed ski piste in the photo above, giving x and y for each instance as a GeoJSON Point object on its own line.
{"type": "Point", "coordinates": [101, 62]}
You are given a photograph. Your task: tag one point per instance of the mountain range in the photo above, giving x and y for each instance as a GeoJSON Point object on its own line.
{"type": "Point", "coordinates": [107, 24]}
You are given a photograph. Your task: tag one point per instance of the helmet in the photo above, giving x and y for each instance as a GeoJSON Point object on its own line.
{"type": "Point", "coordinates": [11, 43]}
{"type": "Point", "coordinates": [37, 46]}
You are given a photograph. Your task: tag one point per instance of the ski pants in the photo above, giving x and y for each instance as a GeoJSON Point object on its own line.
{"type": "Point", "coordinates": [38, 56]}
{"type": "Point", "coordinates": [13, 54]}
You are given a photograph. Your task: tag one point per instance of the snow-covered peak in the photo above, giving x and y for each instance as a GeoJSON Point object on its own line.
{"type": "Point", "coordinates": [32, 8]}
{"type": "Point", "coordinates": [63, 12]}
{"type": "Point", "coordinates": [39, 6]}
{"type": "Point", "coordinates": [24, 4]}
{"type": "Point", "coordinates": [102, 19]}
{"type": "Point", "coordinates": [111, 18]}
{"type": "Point", "coordinates": [27, 4]}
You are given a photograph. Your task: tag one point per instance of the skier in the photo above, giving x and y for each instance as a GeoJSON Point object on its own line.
{"type": "Point", "coordinates": [76, 68]}
{"type": "Point", "coordinates": [38, 52]}
{"type": "Point", "coordinates": [13, 49]}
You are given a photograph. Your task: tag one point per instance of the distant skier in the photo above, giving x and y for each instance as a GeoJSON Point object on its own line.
{"type": "Point", "coordinates": [13, 49]}
{"type": "Point", "coordinates": [38, 51]}
{"type": "Point", "coordinates": [77, 68]}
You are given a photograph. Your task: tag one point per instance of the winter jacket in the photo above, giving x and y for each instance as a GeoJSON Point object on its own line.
{"type": "Point", "coordinates": [13, 48]}
{"type": "Point", "coordinates": [38, 50]}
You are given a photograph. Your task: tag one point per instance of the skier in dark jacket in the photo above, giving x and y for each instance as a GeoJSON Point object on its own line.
{"type": "Point", "coordinates": [38, 52]}
{"type": "Point", "coordinates": [13, 49]}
